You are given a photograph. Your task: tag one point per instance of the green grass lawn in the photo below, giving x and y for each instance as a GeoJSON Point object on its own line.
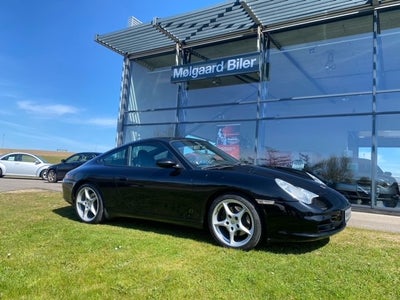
{"type": "Point", "coordinates": [46, 253]}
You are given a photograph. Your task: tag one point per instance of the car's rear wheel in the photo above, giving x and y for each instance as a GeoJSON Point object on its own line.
{"type": "Point", "coordinates": [234, 222]}
{"type": "Point", "coordinates": [89, 204]}
{"type": "Point", "coordinates": [52, 176]}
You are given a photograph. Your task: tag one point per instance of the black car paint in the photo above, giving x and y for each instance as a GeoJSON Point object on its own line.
{"type": "Point", "coordinates": [65, 165]}
{"type": "Point", "coordinates": [184, 195]}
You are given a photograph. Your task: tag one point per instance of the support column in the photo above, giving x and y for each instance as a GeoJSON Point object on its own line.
{"type": "Point", "coordinates": [124, 96]}
{"type": "Point", "coordinates": [182, 58]}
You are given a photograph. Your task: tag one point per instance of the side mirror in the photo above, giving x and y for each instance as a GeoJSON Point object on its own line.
{"type": "Point", "coordinates": [167, 163]}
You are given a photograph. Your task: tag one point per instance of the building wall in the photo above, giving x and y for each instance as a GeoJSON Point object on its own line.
{"type": "Point", "coordinates": [327, 103]}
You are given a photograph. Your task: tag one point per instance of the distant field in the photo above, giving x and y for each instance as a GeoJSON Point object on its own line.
{"type": "Point", "coordinates": [51, 156]}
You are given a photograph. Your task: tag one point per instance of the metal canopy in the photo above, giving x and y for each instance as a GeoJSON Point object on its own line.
{"type": "Point", "coordinates": [220, 22]}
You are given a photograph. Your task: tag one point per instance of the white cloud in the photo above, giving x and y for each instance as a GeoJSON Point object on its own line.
{"type": "Point", "coordinates": [53, 109]}
{"type": "Point", "coordinates": [105, 122]}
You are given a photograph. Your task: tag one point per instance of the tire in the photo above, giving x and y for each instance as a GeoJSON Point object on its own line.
{"type": "Point", "coordinates": [89, 204]}
{"type": "Point", "coordinates": [234, 222]}
{"type": "Point", "coordinates": [52, 176]}
{"type": "Point", "coordinates": [390, 203]}
{"type": "Point", "coordinates": [43, 174]}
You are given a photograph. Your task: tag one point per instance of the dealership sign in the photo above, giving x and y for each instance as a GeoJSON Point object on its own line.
{"type": "Point", "coordinates": [246, 63]}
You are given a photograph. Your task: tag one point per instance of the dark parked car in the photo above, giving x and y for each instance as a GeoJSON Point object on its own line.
{"type": "Point", "coordinates": [191, 182]}
{"type": "Point", "coordinates": [352, 178]}
{"type": "Point", "coordinates": [58, 171]}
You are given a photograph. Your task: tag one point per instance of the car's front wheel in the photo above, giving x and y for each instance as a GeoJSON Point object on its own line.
{"type": "Point", "coordinates": [52, 176]}
{"type": "Point", "coordinates": [43, 174]}
{"type": "Point", "coordinates": [89, 204]}
{"type": "Point", "coordinates": [234, 222]}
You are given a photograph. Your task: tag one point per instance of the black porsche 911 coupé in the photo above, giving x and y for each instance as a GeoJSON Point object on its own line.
{"type": "Point", "coordinates": [193, 183]}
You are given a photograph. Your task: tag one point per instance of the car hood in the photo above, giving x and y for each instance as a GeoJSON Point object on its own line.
{"type": "Point", "coordinates": [262, 182]}
{"type": "Point", "coordinates": [270, 173]}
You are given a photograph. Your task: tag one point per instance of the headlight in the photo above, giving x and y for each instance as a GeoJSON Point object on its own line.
{"type": "Point", "coordinates": [296, 192]}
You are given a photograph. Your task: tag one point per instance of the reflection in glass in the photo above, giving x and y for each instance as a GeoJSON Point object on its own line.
{"type": "Point", "coordinates": [326, 59]}
{"type": "Point", "coordinates": [388, 62]}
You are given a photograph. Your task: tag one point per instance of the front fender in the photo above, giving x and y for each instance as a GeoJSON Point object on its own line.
{"type": "Point", "coordinates": [39, 171]}
{"type": "Point", "coordinates": [2, 170]}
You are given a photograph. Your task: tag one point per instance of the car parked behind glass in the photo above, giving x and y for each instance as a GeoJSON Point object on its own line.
{"type": "Point", "coordinates": [23, 164]}
{"type": "Point", "coordinates": [352, 178]}
{"type": "Point", "coordinates": [57, 172]}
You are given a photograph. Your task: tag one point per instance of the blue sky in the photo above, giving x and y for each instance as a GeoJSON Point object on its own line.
{"type": "Point", "coordinates": [59, 89]}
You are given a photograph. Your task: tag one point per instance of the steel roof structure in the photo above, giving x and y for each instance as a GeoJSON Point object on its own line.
{"type": "Point", "coordinates": [226, 21]}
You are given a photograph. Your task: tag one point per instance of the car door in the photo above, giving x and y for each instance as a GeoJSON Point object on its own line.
{"type": "Point", "coordinates": [28, 165]}
{"type": "Point", "coordinates": [153, 192]}
{"type": "Point", "coordinates": [69, 164]}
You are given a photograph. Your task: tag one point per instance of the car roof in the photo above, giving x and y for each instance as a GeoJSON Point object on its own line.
{"type": "Point", "coordinates": [168, 139]}
{"type": "Point", "coordinates": [12, 153]}
{"type": "Point", "coordinates": [88, 152]}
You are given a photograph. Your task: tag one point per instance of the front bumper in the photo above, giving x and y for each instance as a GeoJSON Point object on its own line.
{"type": "Point", "coordinates": [291, 222]}
{"type": "Point", "coordinates": [67, 187]}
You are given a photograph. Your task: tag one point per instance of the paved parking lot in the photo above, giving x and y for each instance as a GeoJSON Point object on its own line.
{"type": "Point", "coordinates": [8, 184]}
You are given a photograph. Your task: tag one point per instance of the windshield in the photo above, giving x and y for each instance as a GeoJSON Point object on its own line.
{"type": "Point", "coordinates": [43, 160]}
{"type": "Point", "coordinates": [202, 155]}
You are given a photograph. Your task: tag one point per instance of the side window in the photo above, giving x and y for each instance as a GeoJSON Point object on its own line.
{"type": "Point", "coordinates": [10, 158]}
{"type": "Point", "coordinates": [89, 157]}
{"type": "Point", "coordinates": [117, 158]}
{"type": "Point", "coordinates": [146, 155]}
{"type": "Point", "coordinates": [73, 159]}
{"type": "Point", "coordinates": [28, 158]}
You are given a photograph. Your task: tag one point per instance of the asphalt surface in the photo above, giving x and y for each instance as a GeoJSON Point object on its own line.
{"type": "Point", "coordinates": [374, 221]}
{"type": "Point", "coordinates": [8, 184]}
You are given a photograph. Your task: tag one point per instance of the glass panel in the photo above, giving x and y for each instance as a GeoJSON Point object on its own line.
{"type": "Point", "coordinates": [318, 106]}
{"type": "Point", "coordinates": [225, 49]}
{"type": "Point", "coordinates": [165, 60]}
{"type": "Point", "coordinates": [237, 139]}
{"type": "Point", "coordinates": [330, 148]}
{"type": "Point", "coordinates": [388, 158]}
{"type": "Point", "coordinates": [238, 93]}
{"type": "Point", "coordinates": [160, 116]}
{"type": "Point", "coordinates": [326, 59]}
{"type": "Point", "coordinates": [388, 102]}
{"type": "Point", "coordinates": [151, 89]}
{"type": "Point", "coordinates": [134, 133]}
{"type": "Point", "coordinates": [217, 113]}
{"type": "Point", "coordinates": [388, 57]}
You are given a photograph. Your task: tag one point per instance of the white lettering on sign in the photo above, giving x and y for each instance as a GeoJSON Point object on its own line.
{"type": "Point", "coordinates": [214, 68]}
{"type": "Point", "coordinates": [194, 72]}
{"type": "Point", "coordinates": [240, 63]}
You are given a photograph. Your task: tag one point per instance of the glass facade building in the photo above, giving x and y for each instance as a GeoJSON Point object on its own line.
{"type": "Point", "coordinates": [325, 96]}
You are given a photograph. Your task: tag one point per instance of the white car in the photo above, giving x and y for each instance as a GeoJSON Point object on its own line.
{"type": "Point", "coordinates": [23, 164]}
